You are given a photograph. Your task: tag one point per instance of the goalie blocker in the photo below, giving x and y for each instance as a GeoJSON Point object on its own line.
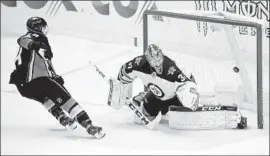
{"type": "Point", "coordinates": [206, 117]}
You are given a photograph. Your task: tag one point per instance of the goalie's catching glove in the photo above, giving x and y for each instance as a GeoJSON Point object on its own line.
{"type": "Point", "coordinates": [188, 95]}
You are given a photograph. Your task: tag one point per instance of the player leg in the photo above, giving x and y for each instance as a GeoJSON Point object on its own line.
{"type": "Point", "coordinates": [59, 114]}
{"type": "Point", "coordinates": [202, 117]}
{"type": "Point", "coordinates": [62, 99]}
{"type": "Point", "coordinates": [171, 102]}
{"type": "Point", "coordinates": [148, 104]}
{"type": "Point", "coordinates": [207, 117]}
{"type": "Point", "coordinates": [30, 91]}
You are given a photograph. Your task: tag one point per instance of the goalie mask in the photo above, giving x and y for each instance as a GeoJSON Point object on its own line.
{"type": "Point", "coordinates": [155, 57]}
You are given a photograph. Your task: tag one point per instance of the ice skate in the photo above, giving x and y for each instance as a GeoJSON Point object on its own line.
{"type": "Point", "coordinates": [67, 122]}
{"type": "Point", "coordinates": [95, 131]}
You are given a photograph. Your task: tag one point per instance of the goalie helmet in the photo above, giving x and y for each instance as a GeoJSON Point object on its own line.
{"type": "Point", "coordinates": [155, 57]}
{"type": "Point", "coordinates": [37, 25]}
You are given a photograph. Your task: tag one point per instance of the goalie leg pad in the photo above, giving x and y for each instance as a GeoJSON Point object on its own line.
{"type": "Point", "coordinates": [220, 117]}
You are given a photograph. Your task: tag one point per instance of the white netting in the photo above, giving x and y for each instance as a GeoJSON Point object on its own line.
{"type": "Point", "coordinates": [209, 51]}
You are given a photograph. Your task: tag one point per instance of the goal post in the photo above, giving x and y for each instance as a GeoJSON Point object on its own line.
{"type": "Point", "coordinates": [227, 23]}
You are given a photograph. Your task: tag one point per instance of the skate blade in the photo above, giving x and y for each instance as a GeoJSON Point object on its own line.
{"type": "Point", "coordinates": [100, 135]}
{"type": "Point", "coordinates": [71, 127]}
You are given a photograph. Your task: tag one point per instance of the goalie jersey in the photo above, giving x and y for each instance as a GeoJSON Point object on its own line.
{"type": "Point", "coordinates": [163, 85]}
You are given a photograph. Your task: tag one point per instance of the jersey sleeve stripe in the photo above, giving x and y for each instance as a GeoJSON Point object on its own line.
{"type": "Point", "coordinates": [30, 67]}
{"type": "Point", "coordinates": [125, 74]}
{"type": "Point", "coordinates": [126, 78]}
{"type": "Point", "coordinates": [123, 80]}
{"type": "Point", "coordinates": [24, 42]}
{"type": "Point", "coordinates": [48, 70]}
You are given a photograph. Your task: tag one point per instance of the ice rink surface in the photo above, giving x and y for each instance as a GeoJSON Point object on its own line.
{"type": "Point", "coordinates": [26, 127]}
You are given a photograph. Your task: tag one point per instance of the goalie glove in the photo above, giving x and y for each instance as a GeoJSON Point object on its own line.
{"type": "Point", "coordinates": [119, 93]}
{"type": "Point", "coordinates": [188, 95]}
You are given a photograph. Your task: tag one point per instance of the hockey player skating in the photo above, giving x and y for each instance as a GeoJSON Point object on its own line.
{"type": "Point", "coordinates": [35, 78]}
{"type": "Point", "coordinates": [170, 90]}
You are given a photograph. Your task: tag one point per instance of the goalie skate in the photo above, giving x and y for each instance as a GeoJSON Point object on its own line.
{"type": "Point", "coordinates": [243, 123]}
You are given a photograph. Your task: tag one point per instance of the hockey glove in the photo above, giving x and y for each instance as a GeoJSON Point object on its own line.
{"type": "Point", "coordinates": [59, 80]}
{"type": "Point", "coordinates": [187, 94]}
{"type": "Point", "coordinates": [48, 54]}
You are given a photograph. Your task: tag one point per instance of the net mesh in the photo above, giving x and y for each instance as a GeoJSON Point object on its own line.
{"type": "Point", "coordinates": [205, 49]}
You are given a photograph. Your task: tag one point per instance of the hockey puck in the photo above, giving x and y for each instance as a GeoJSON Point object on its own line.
{"type": "Point", "coordinates": [236, 69]}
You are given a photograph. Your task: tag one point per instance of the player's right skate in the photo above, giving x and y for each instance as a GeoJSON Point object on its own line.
{"type": "Point", "coordinates": [95, 131]}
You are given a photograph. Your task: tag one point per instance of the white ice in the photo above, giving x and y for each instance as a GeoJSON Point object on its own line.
{"type": "Point", "coordinates": [26, 127]}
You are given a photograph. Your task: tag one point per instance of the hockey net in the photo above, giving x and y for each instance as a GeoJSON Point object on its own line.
{"type": "Point", "coordinates": [202, 44]}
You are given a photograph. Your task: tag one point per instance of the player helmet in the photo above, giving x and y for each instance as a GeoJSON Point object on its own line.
{"type": "Point", "coordinates": [155, 57]}
{"type": "Point", "coordinates": [37, 25]}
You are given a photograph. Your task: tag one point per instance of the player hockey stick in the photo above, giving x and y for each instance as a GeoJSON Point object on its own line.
{"type": "Point", "coordinates": [149, 124]}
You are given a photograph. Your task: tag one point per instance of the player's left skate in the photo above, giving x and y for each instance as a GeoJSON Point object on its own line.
{"type": "Point", "coordinates": [67, 122]}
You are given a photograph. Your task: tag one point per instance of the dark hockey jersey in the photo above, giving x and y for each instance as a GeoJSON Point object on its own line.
{"type": "Point", "coordinates": [31, 63]}
{"type": "Point", "coordinates": [162, 85]}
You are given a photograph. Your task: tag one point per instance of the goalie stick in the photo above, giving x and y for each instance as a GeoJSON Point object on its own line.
{"type": "Point", "coordinates": [149, 124]}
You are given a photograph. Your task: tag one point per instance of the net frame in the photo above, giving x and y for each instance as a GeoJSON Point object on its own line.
{"type": "Point", "coordinates": [259, 46]}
